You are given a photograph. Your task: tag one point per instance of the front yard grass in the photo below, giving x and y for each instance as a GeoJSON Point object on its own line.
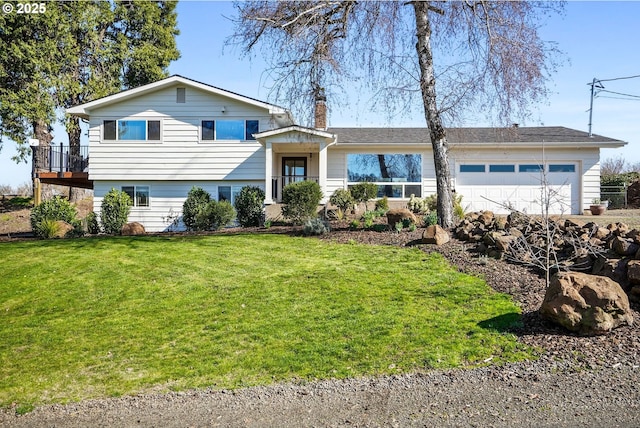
{"type": "Point", "coordinates": [103, 317]}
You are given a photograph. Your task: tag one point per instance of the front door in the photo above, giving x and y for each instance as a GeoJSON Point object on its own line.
{"type": "Point", "coordinates": [293, 170]}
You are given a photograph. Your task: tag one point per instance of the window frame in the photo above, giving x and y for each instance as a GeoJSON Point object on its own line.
{"type": "Point", "coordinates": [249, 127]}
{"type": "Point", "coordinates": [472, 168]}
{"type": "Point", "coordinates": [135, 199]}
{"type": "Point", "coordinates": [530, 168]}
{"type": "Point", "coordinates": [400, 190]}
{"type": "Point", "coordinates": [566, 168]}
{"type": "Point", "coordinates": [115, 123]}
{"type": "Point", "coordinates": [498, 168]}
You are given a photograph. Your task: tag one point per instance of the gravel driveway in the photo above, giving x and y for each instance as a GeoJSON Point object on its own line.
{"type": "Point", "coordinates": [578, 381]}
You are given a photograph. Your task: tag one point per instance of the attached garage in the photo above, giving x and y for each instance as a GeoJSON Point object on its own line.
{"type": "Point", "coordinates": [498, 186]}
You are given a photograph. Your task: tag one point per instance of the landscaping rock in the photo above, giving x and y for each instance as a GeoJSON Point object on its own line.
{"type": "Point", "coordinates": [435, 235]}
{"type": "Point", "coordinates": [63, 229]}
{"type": "Point", "coordinates": [586, 304]}
{"type": "Point", "coordinates": [398, 215]}
{"type": "Point", "coordinates": [134, 228]}
{"type": "Point", "coordinates": [624, 247]}
{"type": "Point", "coordinates": [633, 272]}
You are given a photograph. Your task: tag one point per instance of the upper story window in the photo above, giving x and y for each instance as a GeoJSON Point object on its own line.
{"type": "Point", "coordinates": [224, 129]}
{"type": "Point", "coordinates": [132, 130]}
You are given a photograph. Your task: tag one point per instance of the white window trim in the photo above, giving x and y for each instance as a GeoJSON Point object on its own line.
{"type": "Point", "coordinates": [146, 119]}
{"type": "Point", "coordinates": [134, 206]}
{"type": "Point", "coordinates": [215, 130]}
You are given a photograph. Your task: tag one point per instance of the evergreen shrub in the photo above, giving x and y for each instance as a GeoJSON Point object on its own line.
{"type": "Point", "coordinates": [116, 206]}
{"type": "Point", "coordinates": [249, 206]}
{"type": "Point", "coordinates": [54, 209]}
{"type": "Point", "coordinates": [301, 201]}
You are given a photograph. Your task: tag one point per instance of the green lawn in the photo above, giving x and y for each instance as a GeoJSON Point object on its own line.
{"type": "Point", "coordinates": [111, 316]}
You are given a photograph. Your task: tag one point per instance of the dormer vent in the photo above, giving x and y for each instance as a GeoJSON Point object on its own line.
{"type": "Point", "coordinates": [181, 95]}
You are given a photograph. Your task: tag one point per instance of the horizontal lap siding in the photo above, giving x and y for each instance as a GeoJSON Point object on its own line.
{"type": "Point", "coordinates": [179, 155]}
{"type": "Point", "coordinates": [165, 200]}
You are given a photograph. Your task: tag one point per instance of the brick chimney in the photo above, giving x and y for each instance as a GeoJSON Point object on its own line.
{"type": "Point", "coordinates": [320, 116]}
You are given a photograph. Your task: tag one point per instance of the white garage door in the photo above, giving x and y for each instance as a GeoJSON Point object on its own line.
{"type": "Point", "coordinates": [494, 186]}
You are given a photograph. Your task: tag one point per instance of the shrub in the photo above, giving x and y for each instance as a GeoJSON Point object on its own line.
{"type": "Point", "coordinates": [53, 209]}
{"type": "Point", "coordinates": [431, 218]}
{"type": "Point", "coordinates": [215, 215]}
{"type": "Point", "coordinates": [399, 226]}
{"type": "Point", "coordinates": [342, 199]}
{"type": "Point", "coordinates": [91, 221]}
{"type": "Point", "coordinates": [417, 205]}
{"type": "Point", "coordinates": [382, 204]}
{"type": "Point", "coordinates": [47, 228]}
{"type": "Point", "coordinates": [116, 206]}
{"type": "Point", "coordinates": [196, 202]}
{"type": "Point", "coordinates": [249, 206]}
{"type": "Point", "coordinates": [458, 210]}
{"type": "Point", "coordinates": [315, 226]}
{"type": "Point", "coordinates": [364, 192]}
{"type": "Point", "coordinates": [301, 201]}
{"type": "Point", "coordinates": [355, 224]}
{"type": "Point", "coordinates": [431, 202]}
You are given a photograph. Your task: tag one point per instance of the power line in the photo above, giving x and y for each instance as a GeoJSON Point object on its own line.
{"type": "Point", "coordinates": [619, 93]}
{"type": "Point", "coordinates": [597, 87]}
{"type": "Point", "coordinates": [617, 78]}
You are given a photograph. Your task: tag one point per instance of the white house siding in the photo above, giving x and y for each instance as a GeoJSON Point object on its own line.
{"type": "Point", "coordinates": [179, 155]}
{"type": "Point", "coordinates": [578, 190]}
{"type": "Point", "coordinates": [166, 198]}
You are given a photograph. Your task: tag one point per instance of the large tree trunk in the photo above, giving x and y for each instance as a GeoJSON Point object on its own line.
{"type": "Point", "coordinates": [74, 132]}
{"type": "Point", "coordinates": [438, 134]}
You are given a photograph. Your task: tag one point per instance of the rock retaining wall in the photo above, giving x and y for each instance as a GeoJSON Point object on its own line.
{"type": "Point", "coordinates": [612, 251]}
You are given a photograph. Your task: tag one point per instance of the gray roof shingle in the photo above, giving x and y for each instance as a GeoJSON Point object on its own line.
{"type": "Point", "coordinates": [540, 134]}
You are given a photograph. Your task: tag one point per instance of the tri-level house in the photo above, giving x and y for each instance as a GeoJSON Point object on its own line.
{"type": "Point", "coordinates": [157, 141]}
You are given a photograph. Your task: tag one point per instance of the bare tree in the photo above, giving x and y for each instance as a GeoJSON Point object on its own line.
{"type": "Point", "coordinates": [613, 166]}
{"type": "Point", "coordinates": [453, 57]}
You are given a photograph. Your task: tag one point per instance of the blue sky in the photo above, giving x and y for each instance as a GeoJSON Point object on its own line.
{"type": "Point", "coordinates": [599, 39]}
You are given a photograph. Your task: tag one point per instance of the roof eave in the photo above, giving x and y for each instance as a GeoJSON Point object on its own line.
{"type": "Point", "coordinates": [83, 110]}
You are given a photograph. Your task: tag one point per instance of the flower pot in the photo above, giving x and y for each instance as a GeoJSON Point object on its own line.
{"type": "Point", "coordinates": [597, 209]}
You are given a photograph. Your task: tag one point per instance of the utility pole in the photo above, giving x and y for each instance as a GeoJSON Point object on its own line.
{"type": "Point", "coordinates": [594, 84]}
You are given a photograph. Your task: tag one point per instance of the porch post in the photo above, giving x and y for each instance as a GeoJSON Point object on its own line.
{"type": "Point", "coordinates": [268, 173]}
{"type": "Point", "coordinates": [322, 171]}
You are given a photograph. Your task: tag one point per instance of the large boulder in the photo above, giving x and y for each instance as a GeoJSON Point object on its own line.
{"type": "Point", "coordinates": [133, 228]}
{"type": "Point", "coordinates": [398, 215]}
{"type": "Point", "coordinates": [435, 235]}
{"type": "Point", "coordinates": [586, 304]}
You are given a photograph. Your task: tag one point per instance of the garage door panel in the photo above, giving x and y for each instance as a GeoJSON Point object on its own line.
{"type": "Point", "coordinates": [522, 190]}
{"type": "Point", "coordinates": [523, 198]}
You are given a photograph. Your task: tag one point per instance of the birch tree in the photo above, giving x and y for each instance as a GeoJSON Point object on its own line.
{"type": "Point", "coordinates": [452, 58]}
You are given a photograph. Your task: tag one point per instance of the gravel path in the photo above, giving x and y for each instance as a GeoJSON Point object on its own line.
{"type": "Point", "coordinates": [578, 381]}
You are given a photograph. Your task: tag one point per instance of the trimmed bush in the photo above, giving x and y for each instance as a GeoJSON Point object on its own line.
{"type": "Point", "coordinates": [249, 206]}
{"type": "Point", "coordinates": [216, 215]}
{"type": "Point", "coordinates": [342, 199]}
{"type": "Point", "coordinates": [382, 204]}
{"type": "Point", "coordinates": [49, 211]}
{"type": "Point", "coordinates": [301, 201]}
{"type": "Point", "coordinates": [116, 206]}
{"type": "Point", "coordinates": [193, 206]}
{"type": "Point", "coordinates": [364, 192]}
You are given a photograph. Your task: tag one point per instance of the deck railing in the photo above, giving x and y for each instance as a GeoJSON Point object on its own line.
{"type": "Point", "coordinates": [60, 158]}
